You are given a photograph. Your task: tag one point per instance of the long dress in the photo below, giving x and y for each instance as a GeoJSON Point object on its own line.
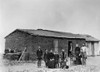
{"type": "Point", "coordinates": [77, 56]}
{"type": "Point", "coordinates": [56, 59]}
{"type": "Point", "coordinates": [51, 61]}
{"type": "Point", "coordinates": [78, 60]}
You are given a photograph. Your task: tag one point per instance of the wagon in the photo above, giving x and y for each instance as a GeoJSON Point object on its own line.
{"type": "Point", "coordinates": [12, 56]}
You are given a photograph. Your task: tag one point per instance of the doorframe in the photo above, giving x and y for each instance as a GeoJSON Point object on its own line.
{"type": "Point", "coordinates": [92, 48]}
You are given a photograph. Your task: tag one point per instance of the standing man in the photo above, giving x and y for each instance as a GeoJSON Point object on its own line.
{"type": "Point", "coordinates": [63, 55]}
{"type": "Point", "coordinates": [83, 53]}
{"type": "Point", "coordinates": [70, 53]}
{"type": "Point", "coordinates": [46, 57]}
{"type": "Point", "coordinates": [39, 56]}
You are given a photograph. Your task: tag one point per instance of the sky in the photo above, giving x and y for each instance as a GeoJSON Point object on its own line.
{"type": "Point", "coordinates": [75, 16]}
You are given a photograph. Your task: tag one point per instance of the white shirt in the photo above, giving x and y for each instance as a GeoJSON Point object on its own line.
{"type": "Point", "coordinates": [84, 49]}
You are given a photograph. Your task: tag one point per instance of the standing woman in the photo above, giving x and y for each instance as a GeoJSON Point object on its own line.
{"type": "Point", "coordinates": [51, 61]}
{"type": "Point", "coordinates": [77, 55]}
{"type": "Point", "coordinates": [56, 59]}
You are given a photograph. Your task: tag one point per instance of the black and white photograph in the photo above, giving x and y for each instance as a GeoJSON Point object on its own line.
{"type": "Point", "coordinates": [49, 36]}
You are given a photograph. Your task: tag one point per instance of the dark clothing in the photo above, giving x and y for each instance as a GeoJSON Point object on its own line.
{"type": "Point", "coordinates": [50, 60]}
{"type": "Point", "coordinates": [69, 53]}
{"type": "Point", "coordinates": [39, 63]}
{"type": "Point", "coordinates": [46, 58]}
{"type": "Point", "coordinates": [39, 57]}
{"type": "Point", "coordinates": [78, 60]}
{"type": "Point", "coordinates": [56, 59]}
{"type": "Point", "coordinates": [77, 56]}
{"type": "Point", "coordinates": [62, 55]}
{"type": "Point", "coordinates": [77, 50]}
{"type": "Point", "coordinates": [39, 54]}
{"type": "Point", "coordinates": [69, 50]}
{"type": "Point", "coordinates": [51, 63]}
{"type": "Point", "coordinates": [50, 56]}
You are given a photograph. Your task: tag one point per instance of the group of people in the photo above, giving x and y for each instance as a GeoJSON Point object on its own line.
{"type": "Point", "coordinates": [80, 55]}
{"type": "Point", "coordinates": [55, 60]}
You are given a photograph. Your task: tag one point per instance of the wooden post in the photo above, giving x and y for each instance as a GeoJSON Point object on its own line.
{"type": "Point", "coordinates": [22, 54]}
{"type": "Point", "coordinates": [56, 45]}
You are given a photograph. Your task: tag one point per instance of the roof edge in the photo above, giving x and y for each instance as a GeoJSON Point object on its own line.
{"type": "Point", "coordinates": [10, 33]}
{"type": "Point", "coordinates": [13, 32]}
{"type": "Point", "coordinates": [21, 30]}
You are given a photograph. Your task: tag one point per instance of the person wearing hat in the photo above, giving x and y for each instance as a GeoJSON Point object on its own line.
{"type": "Point", "coordinates": [83, 53]}
{"type": "Point", "coordinates": [39, 54]}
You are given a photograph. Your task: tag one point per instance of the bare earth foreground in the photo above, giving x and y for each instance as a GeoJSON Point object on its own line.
{"type": "Point", "coordinates": [93, 65]}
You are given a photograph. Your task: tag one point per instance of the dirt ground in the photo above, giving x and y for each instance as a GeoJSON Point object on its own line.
{"type": "Point", "coordinates": [93, 65]}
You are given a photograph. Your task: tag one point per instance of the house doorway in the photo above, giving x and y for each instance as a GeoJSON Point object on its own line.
{"type": "Point", "coordinates": [92, 48]}
{"type": "Point", "coordinates": [69, 48]}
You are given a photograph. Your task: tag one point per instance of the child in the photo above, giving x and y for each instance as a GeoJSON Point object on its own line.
{"type": "Point", "coordinates": [63, 64]}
